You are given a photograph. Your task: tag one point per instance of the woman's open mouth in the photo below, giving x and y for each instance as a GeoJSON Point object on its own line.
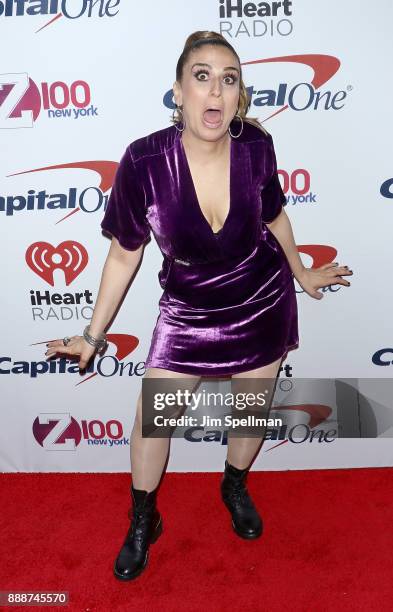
{"type": "Point", "coordinates": [212, 118]}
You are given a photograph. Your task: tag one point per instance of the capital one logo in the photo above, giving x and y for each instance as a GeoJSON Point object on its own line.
{"type": "Point", "coordinates": [383, 357]}
{"type": "Point", "coordinates": [71, 9]}
{"type": "Point", "coordinates": [21, 100]}
{"type": "Point", "coordinates": [301, 96]}
{"type": "Point", "coordinates": [316, 413]}
{"type": "Point", "coordinates": [69, 256]}
{"type": "Point", "coordinates": [386, 189]}
{"type": "Point", "coordinates": [319, 254]}
{"type": "Point", "coordinates": [89, 200]}
{"type": "Point", "coordinates": [106, 366]}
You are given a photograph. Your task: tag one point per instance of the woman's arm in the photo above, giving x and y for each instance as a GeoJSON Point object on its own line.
{"type": "Point", "coordinates": [118, 269]}
{"type": "Point", "coordinates": [281, 228]}
{"type": "Point", "coordinates": [310, 279]}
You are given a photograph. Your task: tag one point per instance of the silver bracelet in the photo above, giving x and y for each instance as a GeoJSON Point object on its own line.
{"type": "Point", "coordinates": [98, 343]}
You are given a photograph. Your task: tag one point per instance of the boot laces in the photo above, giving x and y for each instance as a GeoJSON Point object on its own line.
{"type": "Point", "coordinates": [240, 495]}
{"type": "Point", "coordinates": [140, 523]}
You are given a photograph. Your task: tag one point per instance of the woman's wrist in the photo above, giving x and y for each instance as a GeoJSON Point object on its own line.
{"type": "Point", "coordinates": [300, 270]}
{"type": "Point", "coordinates": [96, 328]}
{"type": "Point", "coordinates": [97, 341]}
{"type": "Point", "coordinates": [95, 331]}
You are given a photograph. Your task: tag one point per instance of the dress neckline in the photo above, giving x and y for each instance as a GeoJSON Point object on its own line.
{"type": "Point", "coordinates": [192, 185]}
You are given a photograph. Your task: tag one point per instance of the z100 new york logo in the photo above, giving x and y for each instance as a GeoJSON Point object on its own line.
{"type": "Point", "coordinates": [61, 432]}
{"type": "Point", "coordinates": [21, 100]}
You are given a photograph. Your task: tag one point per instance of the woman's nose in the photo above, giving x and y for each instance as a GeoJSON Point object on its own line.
{"type": "Point", "coordinates": [216, 87]}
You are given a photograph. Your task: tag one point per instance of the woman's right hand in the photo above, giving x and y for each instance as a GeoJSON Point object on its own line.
{"type": "Point", "coordinates": [76, 346]}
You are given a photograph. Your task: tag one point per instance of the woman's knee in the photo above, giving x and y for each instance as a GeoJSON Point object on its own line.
{"type": "Point", "coordinates": [181, 381]}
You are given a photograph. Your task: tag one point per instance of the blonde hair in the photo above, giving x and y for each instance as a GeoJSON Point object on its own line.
{"type": "Point", "coordinates": [204, 37]}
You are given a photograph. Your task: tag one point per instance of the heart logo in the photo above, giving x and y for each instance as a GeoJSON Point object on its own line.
{"type": "Point", "coordinates": [70, 256]}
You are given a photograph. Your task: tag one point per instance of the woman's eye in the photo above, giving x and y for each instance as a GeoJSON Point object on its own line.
{"type": "Point", "coordinates": [200, 74]}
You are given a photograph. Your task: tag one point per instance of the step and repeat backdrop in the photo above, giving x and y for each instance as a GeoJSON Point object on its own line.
{"type": "Point", "coordinates": [80, 80]}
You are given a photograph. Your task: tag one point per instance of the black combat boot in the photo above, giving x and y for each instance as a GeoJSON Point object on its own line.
{"type": "Point", "coordinates": [245, 519]}
{"type": "Point", "coordinates": [145, 528]}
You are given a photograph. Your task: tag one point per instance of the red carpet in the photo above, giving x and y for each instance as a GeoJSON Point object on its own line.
{"type": "Point", "coordinates": [327, 543]}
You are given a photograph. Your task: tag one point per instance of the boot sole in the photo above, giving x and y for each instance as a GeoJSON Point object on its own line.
{"type": "Point", "coordinates": [153, 539]}
{"type": "Point", "coordinates": [247, 536]}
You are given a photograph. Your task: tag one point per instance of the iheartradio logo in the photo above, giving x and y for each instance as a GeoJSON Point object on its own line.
{"type": "Point", "coordinates": [70, 256]}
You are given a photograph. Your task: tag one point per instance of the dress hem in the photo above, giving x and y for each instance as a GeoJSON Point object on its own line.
{"type": "Point", "coordinates": [154, 363]}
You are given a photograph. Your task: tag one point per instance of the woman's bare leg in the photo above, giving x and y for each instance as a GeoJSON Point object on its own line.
{"type": "Point", "coordinates": [149, 455]}
{"type": "Point", "coordinates": [241, 451]}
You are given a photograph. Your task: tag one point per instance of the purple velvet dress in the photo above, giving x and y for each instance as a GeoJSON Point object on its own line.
{"type": "Point", "coordinates": [228, 303]}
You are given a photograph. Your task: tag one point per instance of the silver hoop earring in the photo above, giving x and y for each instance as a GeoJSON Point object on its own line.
{"type": "Point", "coordinates": [178, 109]}
{"type": "Point", "coordinates": [241, 129]}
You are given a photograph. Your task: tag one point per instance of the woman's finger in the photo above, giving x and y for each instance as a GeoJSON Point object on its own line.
{"type": "Point", "coordinates": [57, 344]}
{"type": "Point", "coordinates": [53, 351]}
{"type": "Point", "coordinates": [67, 350]}
{"type": "Point", "coordinates": [317, 294]}
{"type": "Point", "coordinates": [343, 270]}
{"type": "Point", "coordinates": [330, 275]}
{"type": "Point", "coordinates": [83, 362]}
{"type": "Point", "coordinates": [339, 281]}
{"type": "Point", "coordinates": [346, 273]}
{"type": "Point", "coordinates": [332, 264]}
{"type": "Point", "coordinates": [334, 268]}
{"type": "Point", "coordinates": [59, 341]}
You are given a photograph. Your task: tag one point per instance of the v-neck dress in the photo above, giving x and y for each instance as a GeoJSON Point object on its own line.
{"type": "Point", "coordinates": [229, 302]}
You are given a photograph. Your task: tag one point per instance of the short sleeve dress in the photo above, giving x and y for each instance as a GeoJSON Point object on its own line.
{"type": "Point", "coordinates": [229, 302]}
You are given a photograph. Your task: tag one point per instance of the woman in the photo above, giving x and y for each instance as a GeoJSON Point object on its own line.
{"type": "Point", "coordinates": [208, 188]}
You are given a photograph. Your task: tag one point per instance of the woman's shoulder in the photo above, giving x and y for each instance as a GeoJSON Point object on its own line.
{"type": "Point", "coordinates": [254, 133]}
{"type": "Point", "coordinates": [153, 144]}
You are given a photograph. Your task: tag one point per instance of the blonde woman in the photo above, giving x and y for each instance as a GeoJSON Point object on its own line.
{"type": "Point", "coordinates": [207, 187]}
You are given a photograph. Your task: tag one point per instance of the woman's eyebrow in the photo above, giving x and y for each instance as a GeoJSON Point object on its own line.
{"type": "Point", "coordinates": [209, 66]}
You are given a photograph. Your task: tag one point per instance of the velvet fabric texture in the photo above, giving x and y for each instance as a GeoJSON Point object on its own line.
{"type": "Point", "coordinates": [228, 303]}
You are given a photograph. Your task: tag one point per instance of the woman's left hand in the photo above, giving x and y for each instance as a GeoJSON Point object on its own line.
{"type": "Point", "coordinates": [311, 279]}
